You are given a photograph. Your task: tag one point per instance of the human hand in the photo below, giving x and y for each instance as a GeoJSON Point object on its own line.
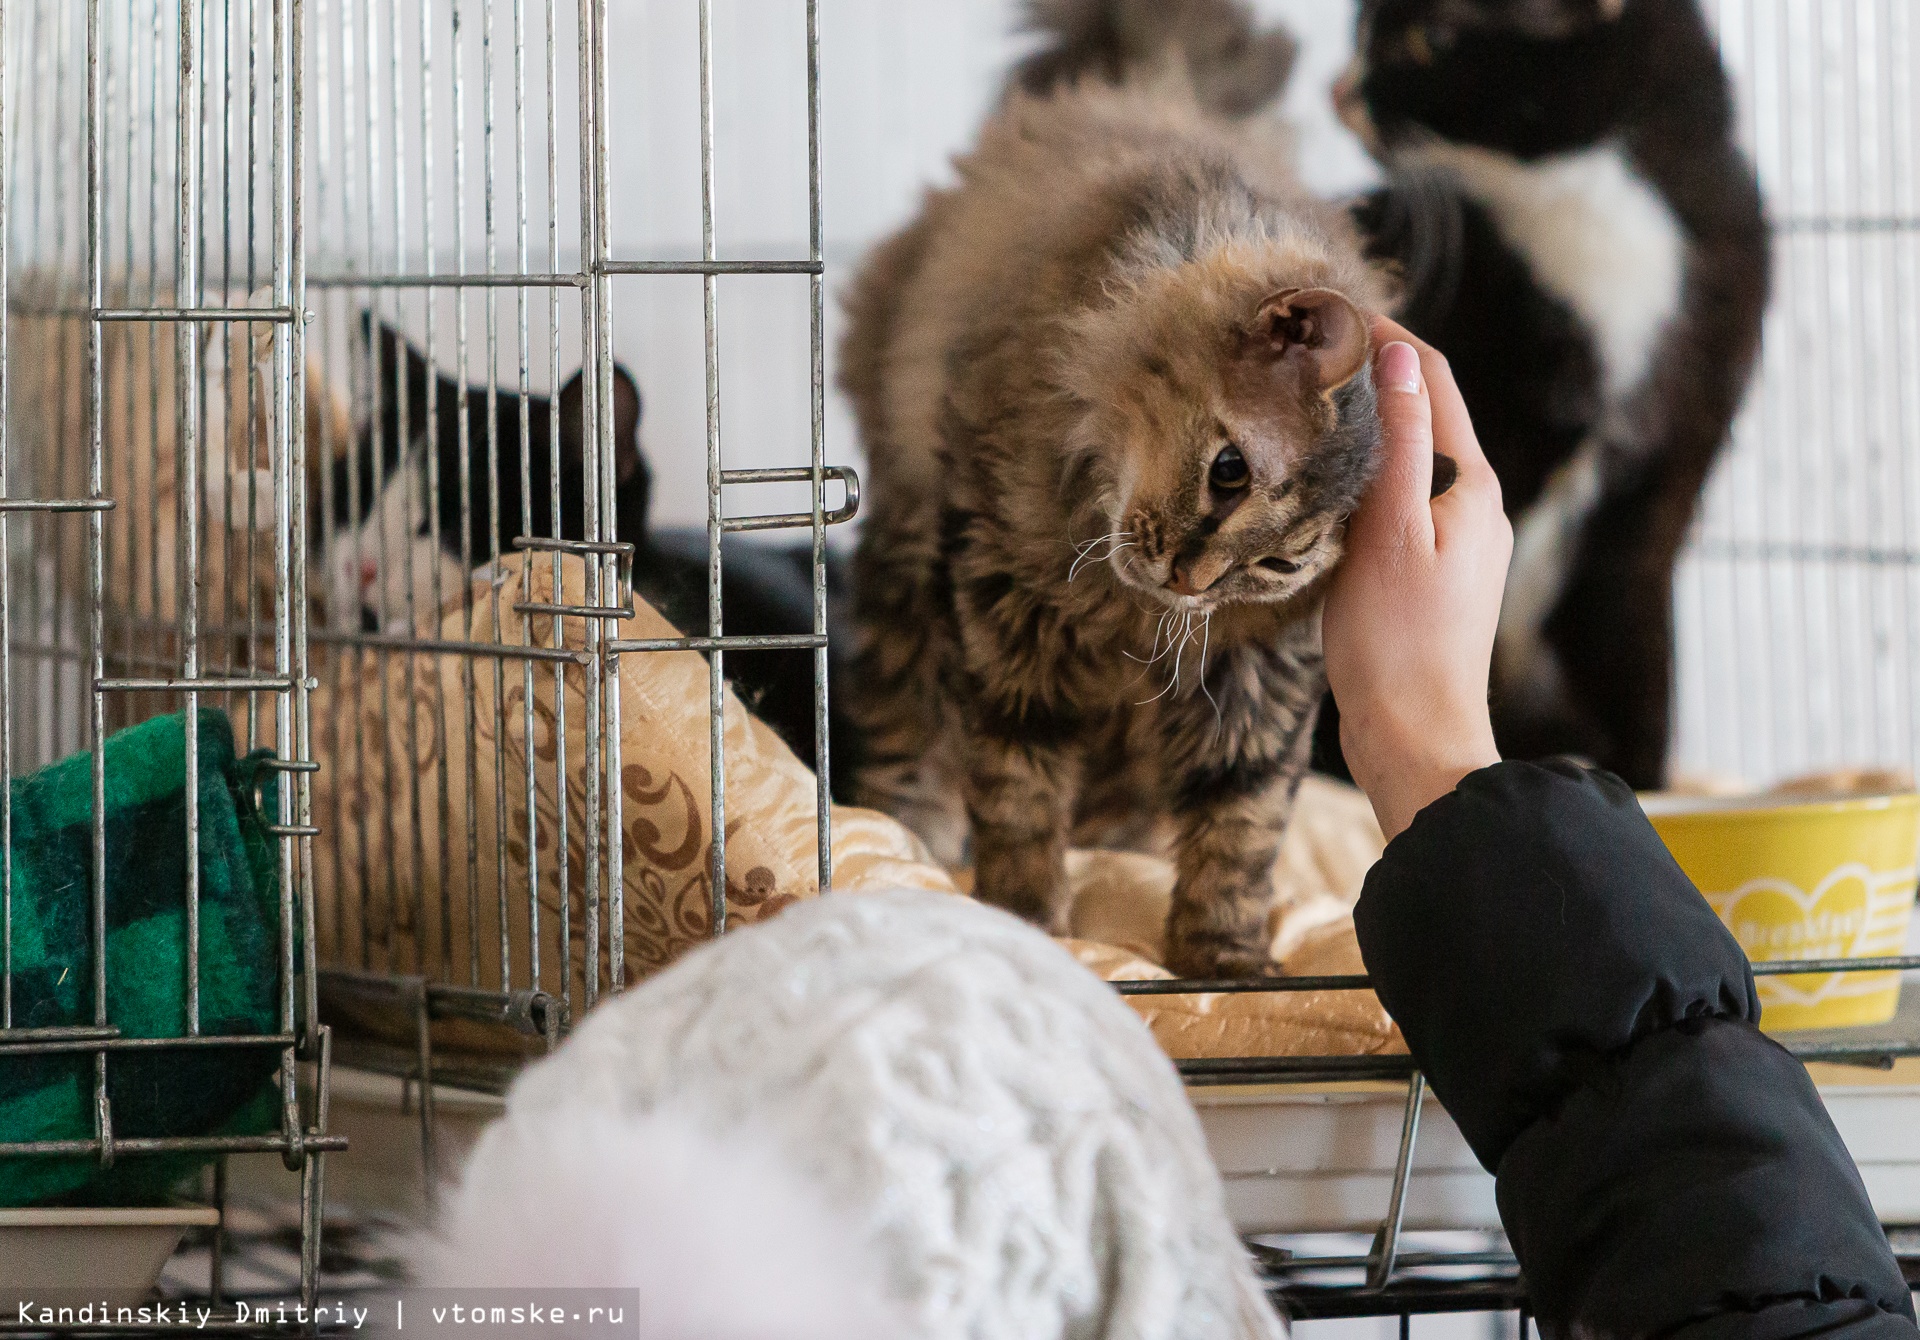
{"type": "Point", "coordinates": [1412, 610]}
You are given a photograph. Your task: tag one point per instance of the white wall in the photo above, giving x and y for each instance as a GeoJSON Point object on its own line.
{"type": "Point", "coordinates": [1799, 613]}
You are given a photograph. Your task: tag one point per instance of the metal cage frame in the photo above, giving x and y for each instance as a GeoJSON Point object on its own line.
{"type": "Point", "coordinates": [302, 1139]}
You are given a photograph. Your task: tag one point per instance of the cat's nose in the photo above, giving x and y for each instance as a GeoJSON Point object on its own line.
{"type": "Point", "coordinates": [1345, 87]}
{"type": "Point", "coordinates": [1350, 106]}
{"type": "Point", "coordinates": [1191, 576]}
{"type": "Point", "coordinates": [368, 574]}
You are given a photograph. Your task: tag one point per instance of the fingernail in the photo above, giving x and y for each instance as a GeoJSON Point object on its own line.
{"type": "Point", "coordinates": [1399, 368]}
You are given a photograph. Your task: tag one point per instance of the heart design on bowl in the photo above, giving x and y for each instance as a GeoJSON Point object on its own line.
{"type": "Point", "coordinates": [1852, 913]}
{"type": "Point", "coordinates": [1828, 880]}
{"type": "Point", "coordinates": [1776, 919]}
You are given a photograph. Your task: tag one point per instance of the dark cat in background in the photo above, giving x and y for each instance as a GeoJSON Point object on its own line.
{"type": "Point", "coordinates": [1580, 236]}
{"type": "Point", "coordinates": [384, 569]}
{"type": "Point", "coordinates": [386, 574]}
{"type": "Point", "coordinates": [1234, 67]}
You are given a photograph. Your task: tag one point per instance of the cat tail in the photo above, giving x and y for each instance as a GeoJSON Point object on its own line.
{"type": "Point", "coordinates": [1415, 231]}
{"type": "Point", "coordinates": [716, 1229]}
{"type": "Point", "coordinates": [1237, 68]}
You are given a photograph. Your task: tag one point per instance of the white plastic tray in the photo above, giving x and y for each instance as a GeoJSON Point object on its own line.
{"type": "Point", "coordinates": [1295, 1159]}
{"type": "Point", "coordinates": [1301, 1160]}
{"type": "Point", "coordinates": [111, 1256]}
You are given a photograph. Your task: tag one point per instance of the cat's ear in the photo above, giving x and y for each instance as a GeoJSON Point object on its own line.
{"type": "Point", "coordinates": [627, 457]}
{"type": "Point", "coordinates": [627, 460]}
{"type": "Point", "coordinates": [1563, 18]}
{"type": "Point", "coordinates": [394, 352]}
{"type": "Point", "coordinates": [1318, 329]}
{"type": "Point", "coordinates": [573, 415]}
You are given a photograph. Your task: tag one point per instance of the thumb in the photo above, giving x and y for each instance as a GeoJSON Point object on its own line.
{"type": "Point", "coordinates": [1396, 507]}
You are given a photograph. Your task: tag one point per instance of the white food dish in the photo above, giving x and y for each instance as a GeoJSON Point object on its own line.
{"type": "Point", "coordinates": [102, 1256]}
{"type": "Point", "coordinates": [1302, 1160]}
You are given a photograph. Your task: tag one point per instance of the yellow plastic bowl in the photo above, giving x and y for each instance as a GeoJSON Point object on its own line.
{"type": "Point", "coordinates": [1820, 878]}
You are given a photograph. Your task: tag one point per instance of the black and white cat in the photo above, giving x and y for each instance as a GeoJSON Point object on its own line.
{"type": "Point", "coordinates": [1582, 239]}
{"type": "Point", "coordinates": [384, 567]}
{"type": "Point", "coordinates": [386, 571]}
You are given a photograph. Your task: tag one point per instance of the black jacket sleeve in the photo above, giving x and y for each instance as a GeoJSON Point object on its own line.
{"type": "Point", "coordinates": [1663, 1167]}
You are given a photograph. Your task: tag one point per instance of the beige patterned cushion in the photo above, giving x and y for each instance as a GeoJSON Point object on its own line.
{"type": "Point", "coordinates": [389, 732]}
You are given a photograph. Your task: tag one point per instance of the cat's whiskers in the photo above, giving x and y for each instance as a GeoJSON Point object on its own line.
{"type": "Point", "coordinates": [1159, 631]}
{"type": "Point", "coordinates": [1156, 697]}
{"type": "Point", "coordinates": [1154, 653]}
{"type": "Point", "coordinates": [1117, 540]}
{"type": "Point", "coordinates": [1206, 641]}
{"type": "Point", "coordinates": [1179, 650]}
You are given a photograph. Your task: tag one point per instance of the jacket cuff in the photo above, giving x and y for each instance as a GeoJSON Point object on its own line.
{"type": "Point", "coordinates": [1697, 1177]}
{"type": "Point", "coordinates": [1528, 925]}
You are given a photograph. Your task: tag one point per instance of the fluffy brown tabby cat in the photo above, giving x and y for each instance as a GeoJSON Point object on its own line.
{"type": "Point", "coordinates": [1115, 398]}
{"type": "Point", "coordinates": [141, 463]}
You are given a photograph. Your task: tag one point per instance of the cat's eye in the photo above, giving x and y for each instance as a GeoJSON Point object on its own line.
{"type": "Point", "coordinates": [1229, 469]}
{"type": "Point", "coordinates": [1423, 41]}
{"type": "Point", "coordinates": [1285, 566]}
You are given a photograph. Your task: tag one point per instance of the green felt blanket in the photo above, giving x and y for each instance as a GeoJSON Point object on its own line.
{"type": "Point", "coordinates": [165, 1092]}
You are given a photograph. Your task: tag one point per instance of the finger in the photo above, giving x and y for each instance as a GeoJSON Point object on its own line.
{"type": "Point", "coordinates": [1452, 426]}
{"type": "Point", "coordinates": [1473, 490]}
{"type": "Point", "coordinates": [1470, 512]}
{"type": "Point", "coordinates": [1386, 330]}
{"type": "Point", "coordinates": [1395, 509]}
{"type": "Point", "coordinates": [1476, 493]}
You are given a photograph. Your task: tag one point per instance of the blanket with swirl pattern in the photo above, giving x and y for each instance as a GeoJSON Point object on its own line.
{"type": "Point", "coordinates": [433, 835]}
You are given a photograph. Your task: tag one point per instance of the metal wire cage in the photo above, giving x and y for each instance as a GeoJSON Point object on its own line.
{"type": "Point", "coordinates": [151, 504]}
{"type": "Point", "coordinates": [194, 412]}
{"type": "Point", "coordinates": [213, 211]}
{"type": "Point", "coordinates": [1797, 600]}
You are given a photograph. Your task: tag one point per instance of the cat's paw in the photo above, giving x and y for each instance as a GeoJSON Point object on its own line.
{"type": "Point", "coordinates": [1215, 961]}
{"type": "Point", "coordinates": [1024, 878]}
{"type": "Point", "coordinates": [1047, 916]}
